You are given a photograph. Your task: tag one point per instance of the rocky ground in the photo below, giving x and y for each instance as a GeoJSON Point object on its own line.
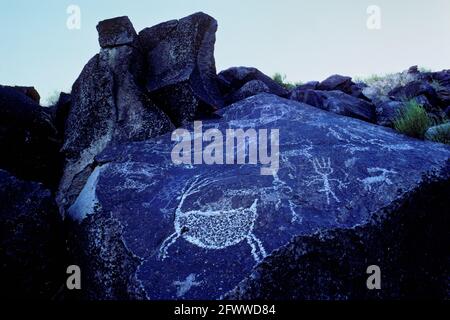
{"type": "Point", "coordinates": [90, 181]}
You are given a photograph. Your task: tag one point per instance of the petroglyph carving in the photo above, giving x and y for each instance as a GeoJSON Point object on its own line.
{"type": "Point", "coordinates": [357, 143]}
{"type": "Point", "coordinates": [324, 171]}
{"type": "Point", "coordinates": [184, 286]}
{"type": "Point", "coordinates": [380, 177]}
{"type": "Point", "coordinates": [213, 229]}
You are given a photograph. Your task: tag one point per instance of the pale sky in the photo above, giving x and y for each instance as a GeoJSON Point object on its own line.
{"type": "Point", "coordinates": [306, 40]}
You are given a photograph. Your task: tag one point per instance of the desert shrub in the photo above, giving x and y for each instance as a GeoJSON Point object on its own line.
{"type": "Point", "coordinates": [412, 120]}
{"type": "Point", "coordinates": [281, 80]}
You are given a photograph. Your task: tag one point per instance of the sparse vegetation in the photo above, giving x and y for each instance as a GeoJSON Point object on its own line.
{"type": "Point", "coordinates": [413, 120]}
{"type": "Point", "coordinates": [379, 86]}
{"type": "Point", "coordinates": [281, 80]}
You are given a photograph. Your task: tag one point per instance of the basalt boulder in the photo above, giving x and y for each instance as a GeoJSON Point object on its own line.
{"type": "Point", "coordinates": [415, 89]}
{"type": "Point", "coordinates": [108, 105]}
{"type": "Point", "coordinates": [181, 72]}
{"type": "Point", "coordinates": [387, 112]}
{"type": "Point", "coordinates": [171, 230]}
{"type": "Point", "coordinates": [32, 247]}
{"type": "Point", "coordinates": [233, 79]}
{"type": "Point", "coordinates": [337, 102]}
{"type": "Point", "coordinates": [249, 89]}
{"type": "Point", "coordinates": [344, 84]}
{"type": "Point", "coordinates": [28, 138]}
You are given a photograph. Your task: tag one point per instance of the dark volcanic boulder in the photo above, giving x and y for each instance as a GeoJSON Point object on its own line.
{"type": "Point", "coordinates": [342, 83]}
{"type": "Point", "coordinates": [28, 139]}
{"type": "Point", "coordinates": [31, 242]}
{"type": "Point", "coordinates": [387, 112]}
{"type": "Point", "coordinates": [116, 32]}
{"type": "Point", "coordinates": [337, 102]}
{"type": "Point", "coordinates": [171, 231]}
{"type": "Point", "coordinates": [309, 85]}
{"type": "Point", "coordinates": [249, 89]}
{"type": "Point", "coordinates": [235, 78]}
{"type": "Point", "coordinates": [415, 89]}
{"type": "Point", "coordinates": [181, 72]}
{"type": "Point", "coordinates": [108, 106]}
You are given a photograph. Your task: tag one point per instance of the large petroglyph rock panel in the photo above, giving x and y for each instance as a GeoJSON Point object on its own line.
{"type": "Point", "coordinates": [196, 231]}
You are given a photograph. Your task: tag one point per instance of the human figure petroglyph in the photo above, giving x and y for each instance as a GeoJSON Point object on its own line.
{"type": "Point", "coordinates": [381, 177]}
{"type": "Point", "coordinates": [213, 229]}
{"type": "Point", "coordinates": [324, 171]}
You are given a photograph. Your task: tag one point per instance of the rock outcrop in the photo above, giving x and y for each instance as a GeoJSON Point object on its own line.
{"type": "Point", "coordinates": [196, 231]}
{"type": "Point", "coordinates": [108, 106]}
{"type": "Point", "coordinates": [32, 246]}
{"type": "Point", "coordinates": [290, 194]}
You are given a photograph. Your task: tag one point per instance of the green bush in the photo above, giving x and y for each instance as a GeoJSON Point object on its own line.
{"type": "Point", "coordinates": [412, 120]}
{"type": "Point", "coordinates": [281, 80]}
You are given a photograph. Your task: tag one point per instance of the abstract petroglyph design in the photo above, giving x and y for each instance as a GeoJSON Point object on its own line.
{"type": "Point", "coordinates": [324, 171]}
{"type": "Point", "coordinates": [213, 229]}
{"type": "Point", "coordinates": [380, 177]}
{"type": "Point", "coordinates": [357, 143]}
{"type": "Point", "coordinates": [184, 286]}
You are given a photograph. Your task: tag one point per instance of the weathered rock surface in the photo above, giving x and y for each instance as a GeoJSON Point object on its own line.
{"type": "Point", "coordinates": [249, 89]}
{"type": "Point", "coordinates": [233, 79]}
{"type": "Point", "coordinates": [181, 72]}
{"type": "Point", "coordinates": [116, 32]}
{"type": "Point", "coordinates": [28, 138]}
{"type": "Point", "coordinates": [108, 106]}
{"type": "Point", "coordinates": [411, 247]}
{"type": "Point", "coordinates": [147, 228]}
{"type": "Point", "coordinates": [31, 241]}
{"type": "Point", "coordinates": [337, 102]}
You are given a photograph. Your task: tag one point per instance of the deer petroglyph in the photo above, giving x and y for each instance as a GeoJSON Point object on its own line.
{"type": "Point", "coordinates": [213, 229]}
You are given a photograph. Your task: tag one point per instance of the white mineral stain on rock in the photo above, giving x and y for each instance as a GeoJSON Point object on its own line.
{"type": "Point", "coordinates": [87, 199]}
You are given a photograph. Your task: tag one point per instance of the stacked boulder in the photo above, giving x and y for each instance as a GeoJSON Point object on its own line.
{"type": "Point", "coordinates": [180, 73]}
{"type": "Point", "coordinates": [136, 88]}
